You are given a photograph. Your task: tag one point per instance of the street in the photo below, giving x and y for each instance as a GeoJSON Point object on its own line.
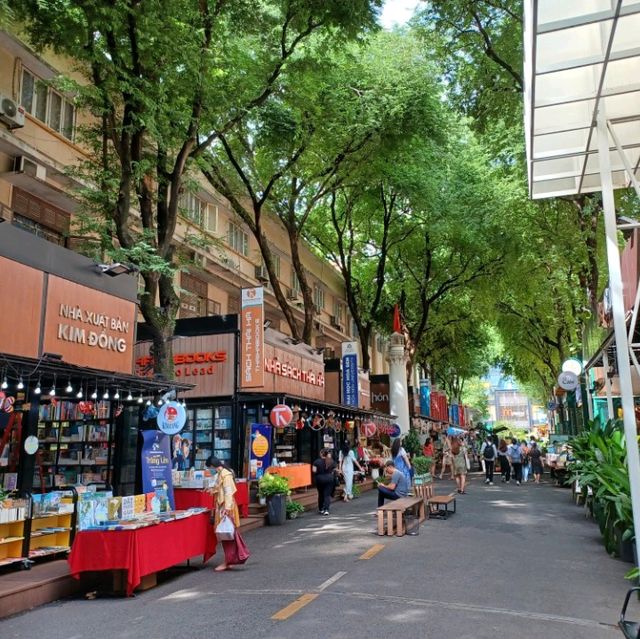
{"type": "Point", "coordinates": [513, 562]}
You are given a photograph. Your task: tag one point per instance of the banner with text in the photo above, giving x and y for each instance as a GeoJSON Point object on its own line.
{"type": "Point", "coordinates": [156, 465]}
{"type": "Point", "coordinates": [259, 450]}
{"type": "Point", "coordinates": [425, 398]}
{"type": "Point", "coordinates": [252, 338]}
{"type": "Point", "coordinates": [350, 394]}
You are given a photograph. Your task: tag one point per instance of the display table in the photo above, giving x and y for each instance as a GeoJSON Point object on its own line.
{"type": "Point", "coordinates": [201, 498]}
{"type": "Point", "coordinates": [142, 551]}
{"type": "Point", "coordinates": [299, 475]}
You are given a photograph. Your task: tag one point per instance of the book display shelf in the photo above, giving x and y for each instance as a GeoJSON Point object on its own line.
{"type": "Point", "coordinates": [76, 444]}
{"type": "Point", "coordinates": [52, 524]}
{"type": "Point", "coordinates": [212, 433]}
{"type": "Point", "coordinates": [14, 514]}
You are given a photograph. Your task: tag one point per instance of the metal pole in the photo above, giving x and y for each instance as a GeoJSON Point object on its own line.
{"type": "Point", "coordinates": [619, 323]}
{"type": "Point", "coordinates": [607, 383]}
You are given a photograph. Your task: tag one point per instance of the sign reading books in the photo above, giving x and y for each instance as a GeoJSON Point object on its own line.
{"type": "Point", "coordinates": [260, 450]}
{"type": "Point", "coordinates": [350, 394]}
{"type": "Point", "coordinates": [252, 338]}
{"type": "Point", "coordinates": [156, 465]}
{"type": "Point", "coordinates": [171, 418]}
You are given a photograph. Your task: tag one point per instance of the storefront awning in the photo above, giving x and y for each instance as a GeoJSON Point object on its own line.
{"type": "Point", "coordinates": [581, 56]}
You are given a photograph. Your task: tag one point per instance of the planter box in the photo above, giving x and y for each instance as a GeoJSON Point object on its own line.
{"type": "Point", "coordinates": [420, 480]}
{"type": "Point", "coordinates": [276, 510]}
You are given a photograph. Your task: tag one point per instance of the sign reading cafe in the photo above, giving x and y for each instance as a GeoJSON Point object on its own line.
{"type": "Point", "coordinates": [82, 326]}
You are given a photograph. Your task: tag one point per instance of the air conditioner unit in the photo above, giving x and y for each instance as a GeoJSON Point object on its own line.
{"type": "Point", "coordinates": [11, 113]}
{"type": "Point", "coordinates": [292, 295]}
{"type": "Point", "coordinates": [261, 274]}
{"type": "Point", "coordinates": [23, 164]}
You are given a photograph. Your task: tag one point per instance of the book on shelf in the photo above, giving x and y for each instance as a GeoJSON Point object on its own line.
{"type": "Point", "coordinates": [10, 481]}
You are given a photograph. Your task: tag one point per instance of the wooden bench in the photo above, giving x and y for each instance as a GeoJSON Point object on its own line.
{"type": "Point", "coordinates": [394, 511]}
{"type": "Point", "coordinates": [423, 490]}
{"type": "Point", "coordinates": [442, 500]}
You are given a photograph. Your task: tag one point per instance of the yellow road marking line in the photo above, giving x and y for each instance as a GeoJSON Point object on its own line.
{"type": "Point", "coordinates": [372, 552]}
{"type": "Point", "coordinates": [294, 606]}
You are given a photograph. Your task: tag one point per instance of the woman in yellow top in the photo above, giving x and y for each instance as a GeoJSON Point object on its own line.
{"type": "Point", "coordinates": [224, 490]}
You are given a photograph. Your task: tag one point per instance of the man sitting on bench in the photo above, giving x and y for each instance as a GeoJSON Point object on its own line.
{"type": "Point", "coordinates": [397, 487]}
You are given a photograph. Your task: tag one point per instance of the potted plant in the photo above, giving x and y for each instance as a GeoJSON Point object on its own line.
{"type": "Point", "coordinates": [276, 490]}
{"type": "Point", "coordinates": [294, 508]}
{"type": "Point", "coordinates": [422, 466]}
{"type": "Point", "coordinates": [375, 463]}
{"type": "Point", "coordinates": [355, 492]}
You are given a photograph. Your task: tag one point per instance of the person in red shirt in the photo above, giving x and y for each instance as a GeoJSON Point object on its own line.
{"type": "Point", "coordinates": [428, 451]}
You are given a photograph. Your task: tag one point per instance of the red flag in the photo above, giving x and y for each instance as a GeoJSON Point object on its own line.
{"type": "Point", "coordinates": [396, 320]}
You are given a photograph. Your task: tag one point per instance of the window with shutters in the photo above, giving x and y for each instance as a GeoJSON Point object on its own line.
{"type": "Point", "coordinates": [318, 297]}
{"type": "Point", "coordinates": [39, 217]}
{"type": "Point", "coordinates": [238, 239]}
{"type": "Point", "coordinates": [47, 105]}
{"type": "Point", "coordinates": [338, 311]}
{"type": "Point", "coordinates": [295, 282]}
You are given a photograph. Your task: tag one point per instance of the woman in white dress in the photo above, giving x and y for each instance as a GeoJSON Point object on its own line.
{"type": "Point", "coordinates": [348, 463]}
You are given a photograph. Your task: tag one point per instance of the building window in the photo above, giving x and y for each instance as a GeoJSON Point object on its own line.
{"type": "Point", "coordinates": [47, 105]}
{"type": "Point", "coordinates": [380, 343]}
{"type": "Point", "coordinates": [276, 264]}
{"type": "Point", "coordinates": [338, 311]}
{"type": "Point", "coordinates": [295, 282]}
{"type": "Point", "coordinates": [318, 297]}
{"type": "Point", "coordinates": [238, 239]}
{"type": "Point", "coordinates": [199, 212]}
{"type": "Point", "coordinates": [38, 229]}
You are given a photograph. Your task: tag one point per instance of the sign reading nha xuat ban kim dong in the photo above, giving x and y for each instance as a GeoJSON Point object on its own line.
{"type": "Point", "coordinates": [252, 338]}
{"type": "Point", "coordinates": [350, 395]}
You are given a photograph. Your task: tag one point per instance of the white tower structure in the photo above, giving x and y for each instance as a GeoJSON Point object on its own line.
{"type": "Point", "coordinates": [398, 391]}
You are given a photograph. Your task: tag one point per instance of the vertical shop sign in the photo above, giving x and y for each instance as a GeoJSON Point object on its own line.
{"type": "Point", "coordinates": [425, 398]}
{"type": "Point", "coordinates": [252, 338]}
{"type": "Point", "coordinates": [455, 413]}
{"type": "Point", "coordinates": [156, 464]}
{"type": "Point", "coordinates": [259, 450]}
{"type": "Point", "coordinates": [350, 393]}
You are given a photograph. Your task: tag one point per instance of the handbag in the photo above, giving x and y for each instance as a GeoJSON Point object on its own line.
{"type": "Point", "coordinates": [236, 553]}
{"type": "Point", "coordinates": [467, 462]}
{"type": "Point", "coordinates": [225, 530]}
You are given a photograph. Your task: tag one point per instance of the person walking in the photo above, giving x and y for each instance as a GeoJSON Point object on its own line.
{"type": "Point", "coordinates": [323, 470]}
{"type": "Point", "coordinates": [526, 461]}
{"type": "Point", "coordinates": [401, 459]}
{"type": "Point", "coordinates": [514, 452]}
{"type": "Point", "coordinates": [428, 451]}
{"type": "Point", "coordinates": [488, 453]}
{"type": "Point", "coordinates": [505, 466]}
{"type": "Point", "coordinates": [536, 462]}
{"type": "Point", "coordinates": [224, 489]}
{"type": "Point", "coordinates": [348, 464]}
{"type": "Point", "coordinates": [459, 464]}
{"type": "Point", "coordinates": [447, 459]}
{"type": "Point", "coordinates": [396, 488]}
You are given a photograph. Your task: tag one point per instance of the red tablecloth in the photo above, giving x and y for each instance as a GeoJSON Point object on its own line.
{"type": "Point", "coordinates": [186, 498]}
{"type": "Point", "coordinates": [143, 551]}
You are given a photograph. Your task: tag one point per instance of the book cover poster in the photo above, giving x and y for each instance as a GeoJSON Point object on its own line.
{"type": "Point", "coordinates": [128, 507]}
{"type": "Point", "coordinates": [139, 504]}
{"type": "Point", "coordinates": [115, 508]}
{"type": "Point", "coordinates": [156, 463]}
{"type": "Point", "coordinates": [85, 514]}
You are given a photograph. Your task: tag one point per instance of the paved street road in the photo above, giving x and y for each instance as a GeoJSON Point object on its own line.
{"type": "Point", "coordinates": [514, 562]}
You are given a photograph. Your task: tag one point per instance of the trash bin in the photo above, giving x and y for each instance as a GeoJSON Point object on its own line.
{"type": "Point", "coordinates": [412, 524]}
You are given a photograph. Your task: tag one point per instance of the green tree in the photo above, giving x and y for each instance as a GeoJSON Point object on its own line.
{"type": "Point", "coordinates": [165, 81]}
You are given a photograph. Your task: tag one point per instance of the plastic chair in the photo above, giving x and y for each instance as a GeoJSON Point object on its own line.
{"type": "Point", "coordinates": [630, 629]}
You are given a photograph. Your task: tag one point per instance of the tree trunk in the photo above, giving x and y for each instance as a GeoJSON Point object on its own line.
{"type": "Point", "coordinates": [364, 335]}
{"type": "Point", "coordinates": [305, 289]}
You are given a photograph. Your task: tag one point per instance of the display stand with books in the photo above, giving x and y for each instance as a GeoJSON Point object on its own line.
{"type": "Point", "coordinates": [14, 514]}
{"type": "Point", "coordinates": [51, 527]}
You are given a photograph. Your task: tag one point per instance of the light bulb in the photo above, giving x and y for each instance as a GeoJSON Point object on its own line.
{"type": "Point", "coordinates": [4, 384]}
{"type": "Point", "coordinates": [79, 394]}
{"type": "Point", "coordinates": [20, 384]}
{"type": "Point", "coordinates": [129, 397]}
{"type": "Point", "coordinates": [148, 403]}
{"type": "Point", "coordinates": [117, 395]}
{"type": "Point", "coordinates": [37, 390]}
{"type": "Point", "coordinates": [69, 388]}
{"type": "Point", "coordinates": [160, 402]}
{"type": "Point", "coordinates": [140, 399]}
{"type": "Point", "coordinates": [106, 395]}
{"type": "Point", "coordinates": [52, 392]}
{"type": "Point", "coordinates": [94, 395]}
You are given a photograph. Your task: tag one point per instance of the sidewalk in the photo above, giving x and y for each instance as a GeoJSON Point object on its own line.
{"type": "Point", "coordinates": [514, 562]}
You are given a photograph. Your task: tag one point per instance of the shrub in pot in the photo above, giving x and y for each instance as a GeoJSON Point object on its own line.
{"type": "Point", "coordinates": [421, 467]}
{"type": "Point", "coordinates": [276, 490]}
{"type": "Point", "coordinates": [294, 509]}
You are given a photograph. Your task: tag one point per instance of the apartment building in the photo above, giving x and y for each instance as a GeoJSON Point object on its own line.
{"type": "Point", "coordinates": [38, 143]}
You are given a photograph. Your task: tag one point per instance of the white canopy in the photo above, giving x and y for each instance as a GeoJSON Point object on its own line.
{"type": "Point", "coordinates": [580, 55]}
